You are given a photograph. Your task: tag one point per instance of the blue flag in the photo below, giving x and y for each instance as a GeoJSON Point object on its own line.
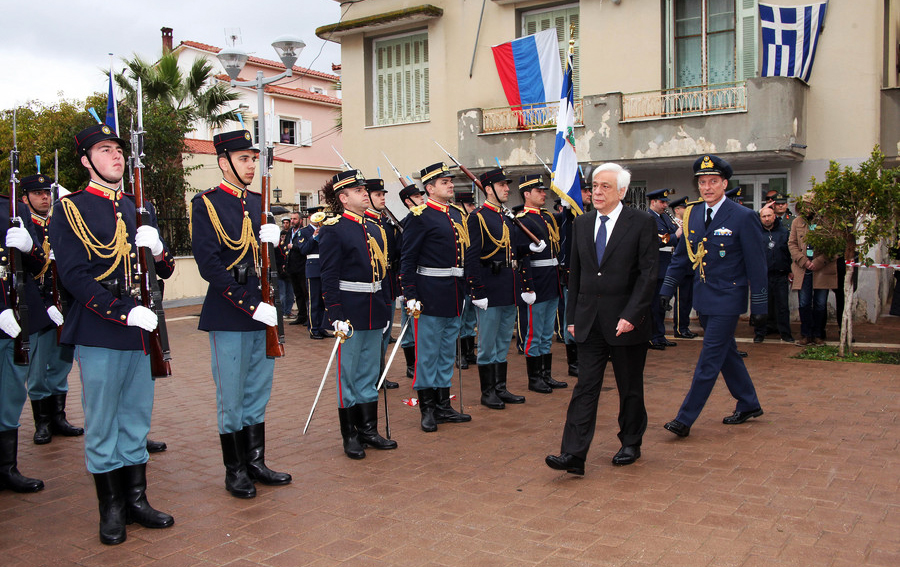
{"type": "Point", "coordinates": [565, 180]}
{"type": "Point", "coordinates": [789, 38]}
{"type": "Point", "coordinates": [112, 109]}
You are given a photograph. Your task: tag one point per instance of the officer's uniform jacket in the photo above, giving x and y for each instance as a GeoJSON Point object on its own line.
{"type": "Point", "coordinates": [727, 259]}
{"type": "Point", "coordinates": [32, 264]}
{"type": "Point", "coordinates": [101, 287]}
{"type": "Point", "coordinates": [435, 237]}
{"type": "Point", "coordinates": [665, 229]}
{"type": "Point", "coordinates": [226, 248]}
{"type": "Point", "coordinates": [354, 264]}
{"type": "Point", "coordinates": [492, 257]}
{"type": "Point", "coordinates": [391, 280]}
{"type": "Point", "coordinates": [44, 278]}
{"type": "Point", "coordinates": [309, 247]}
{"type": "Point", "coordinates": [543, 266]}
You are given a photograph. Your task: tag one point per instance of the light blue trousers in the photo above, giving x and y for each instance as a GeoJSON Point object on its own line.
{"type": "Point", "coordinates": [541, 323]}
{"type": "Point", "coordinates": [12, 386]}
{"type": "Point", "coordinates": [358, 368]}
{"type": "Point", "coordinates": [243, 377]}
{"type": "Point", "coordinates": [48, 372]}
{"type": "Point", "coordinates": [495, 331]}
{"type": "Point", "coordinates": [434, 360]}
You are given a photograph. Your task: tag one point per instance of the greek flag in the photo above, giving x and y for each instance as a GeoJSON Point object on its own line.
{"type": "Point", "coordinates": [565, 180]}
{"type": "Point", "coordinates": [790, 36]}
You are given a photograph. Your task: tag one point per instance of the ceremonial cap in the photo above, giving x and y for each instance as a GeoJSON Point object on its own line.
{"type": "Point", "coordinates": [349, 178]}
{"type": "Point", "coordinates": [659, 195]}
{"type": "Point", "coordinates": [529, 182]}
{"type": "Point", "coordinates": [464, 197]}
{"type": "Point", "coordinates": [409, 191]}
{"type": "Point", "coordinates": [315, 209]}
{"type": "Point", "coordinates": [375, 185]}
{"type": "Point", "coordinates": [682, 202]}
{"type": "Point", "coordinates": [712, 165]}
{"type": "Point", "coordinates": [435, 171]}
{"type": "Point", "coordinates": [39, 182]}
{"type": "Point", "coordinates": [234, 141]}
{"type": "Point", "coordinates": [97, 133]}
{"type": "Point", "coordinates": [493, 176]}
{"type": "Point", "coordinates": [735, 194]}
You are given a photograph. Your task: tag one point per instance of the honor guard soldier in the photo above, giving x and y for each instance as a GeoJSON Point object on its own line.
{"type": "Point", "coordinates": [12, 372]}
{"type": "Point", "coordinates": [309, 247]}
{"type": "Point", "coordinates": [657, 201]}
{"type": "Point", "coordinates": [722, 246]}
{"type": "Point", "coordinates": [375, 214]}
{"type": "Point", "coordinates": [684, 293]}
{"type": "Point", "coordinates": [411, 196]}
{"type": "Point", "coordinates": [224, 229]}
{"type": "Point", "coordinates": [354, 265]}
{"type": "Point", "coordinates": [466, 199]}
{"type": "Point", "coordinates": [431, 272]}
{"type": "Point", "coordinates": [538, 320]}
{"type": "Point", "coordinates": [491, 260]}
{"type": "Point", "coordinates": [566, 220]}
{"type": "Point", "coordinates": [95, 242]}
{"type": "Point", "coordinates": [51, 362]}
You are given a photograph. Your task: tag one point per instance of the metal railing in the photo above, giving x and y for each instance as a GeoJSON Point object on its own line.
{"type": "Point", "coordinates": [526, 116]}
{"type": "Point", "coordinates": [685, 101]}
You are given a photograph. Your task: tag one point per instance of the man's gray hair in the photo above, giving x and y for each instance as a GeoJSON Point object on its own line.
{"type": "Point", "coordinates": [623, 176]}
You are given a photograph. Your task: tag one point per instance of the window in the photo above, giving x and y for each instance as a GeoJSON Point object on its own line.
{"type": "Point", "coordinates": [317, 90]}
{"type": "Point", "coordinates": [400, 73]}
{"type": "Point", "coordinates": [287, 131]}
{"type": "Point", "coordinates": [560, 18]}
{"type": "Point", "coordinates": [710, 42]}
{"type": "Point", "coordinates": [755, 187]}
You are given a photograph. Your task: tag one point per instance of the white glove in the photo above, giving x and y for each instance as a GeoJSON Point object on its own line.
{"type": "Point", "coordinates": [142, 317]}
{"type": "Point", "coordinates": [537, 248]}
{"type": "Point", "coordinates": [148, 237]}
{"type": "Point", "coordinates": [269, 233]}
{"type": "Point", "coordinates": [52, 256]}
{"type": "Point", "coordinates": [18, 237]}
{"type": "Point", "coordinates": [55, 315]}
{"type": "Point", "coordinates": [529, 297]}
{"type": "Point", "coordinates": [341, 327]}
{"type": "Point", "coordinates": [413, 306]}
{"type": "Point", "coordinates": [8, 323]}
{"type": "Point", "coordinates": [565, 203]}
{"type": "Point", "coordinates": [266, 314]}
{"type": "Point", "coordinates": [480, 303]}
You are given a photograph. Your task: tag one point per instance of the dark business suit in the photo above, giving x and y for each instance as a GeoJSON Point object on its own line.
{"type": "Point", "coordinates": [622, 287]}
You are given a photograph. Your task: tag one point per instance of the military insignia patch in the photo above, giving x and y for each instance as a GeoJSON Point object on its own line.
{"type": "Point", "coordinates": [105, 129]}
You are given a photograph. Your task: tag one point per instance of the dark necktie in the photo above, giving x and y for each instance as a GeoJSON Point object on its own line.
{"type": "Point", "coordinates": [708, 218]}
{"type": "Point", "coordinates": [600, 243]}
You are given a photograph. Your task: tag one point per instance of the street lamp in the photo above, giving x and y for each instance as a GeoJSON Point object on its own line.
{"type": "Point", "coordinates": [276, 192]}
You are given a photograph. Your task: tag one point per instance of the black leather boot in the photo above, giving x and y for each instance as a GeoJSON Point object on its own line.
{"type": "Point", "coordinates": [237, 481]}
{"type": "Point", "coordinates": [535, 376]}
{"type": "Point", "coordinates": [156, 446]}
{"type": "Point", "coordinates": [366, 420]}
{"type": "Point", "coordinates": [488, 380]}
{"type": "Point", "coordinates": [427, 405]}
{"type": "Point", "coordinates": [255, 456]}
{"type": "Point", "coordinates": [410, 353]}
{"type": "Point", "coordinates": [546, 365]}
{"type": "Point", "coordinates": [112, 507]}
{"type": "Point", "coordinates": [500, 381]}
{"type": "Point", "coordinates": [469, 350]}
{"type": "Point", "coordinates": [444, 412]}
{"type": "Point", "coordinates": [134, 490]}
{"type": "Point", "coordinates": [572, 358]}
{"type": "Point", "coordinates": [41, 411]}
{"type": "Point", "coordinates": [58, 423]}
{"type": "Point", "coordinates": [352, 446]}
{"type": "Point", "coordinates": [461, 361]}
{"type": "Point", "coordinates": [10, 477]}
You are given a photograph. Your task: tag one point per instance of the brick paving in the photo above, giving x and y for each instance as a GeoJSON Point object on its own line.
{"type": "Point", "coordinates": [814, 481]}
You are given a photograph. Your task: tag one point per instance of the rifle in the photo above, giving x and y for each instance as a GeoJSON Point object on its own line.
{"type": "Point", "coordinates": [478, 184]}
{"type": "Point", "coordinates": [59, 301]}
{"type": "Point", "coordinates": [386, 209]}
{"type": "Point", "coordinates": [268, 273]}
{"type": "Point", "coordinates": [151, 295]}
{"type": "Point", "coordinates": [15, 268]}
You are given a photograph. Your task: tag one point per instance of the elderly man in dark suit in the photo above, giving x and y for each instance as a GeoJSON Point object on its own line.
{"type": "Point", "coordinates": [612, 282]}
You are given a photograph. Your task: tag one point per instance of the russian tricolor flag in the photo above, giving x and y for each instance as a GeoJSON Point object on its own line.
{"type": "Point", "coordinates": [529, 68]}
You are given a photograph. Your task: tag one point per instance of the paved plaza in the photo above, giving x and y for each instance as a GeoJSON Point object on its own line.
{"type": "Point", "coordinates": [814, 481]}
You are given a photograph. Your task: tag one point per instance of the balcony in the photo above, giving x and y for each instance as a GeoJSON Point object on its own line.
{"type": "Point", "coordinates": [525, 117]}
{"type": "Point", "coordinates": [760, 122]}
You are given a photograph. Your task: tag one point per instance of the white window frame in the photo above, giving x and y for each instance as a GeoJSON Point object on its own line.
{"type": "Point", "coordinates": [296, 130]}
{"type": "Point", "coordinates": [412, 108]}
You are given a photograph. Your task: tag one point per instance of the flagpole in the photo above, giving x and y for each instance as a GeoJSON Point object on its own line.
{"type": "Point", "coordinates": [565, 160]}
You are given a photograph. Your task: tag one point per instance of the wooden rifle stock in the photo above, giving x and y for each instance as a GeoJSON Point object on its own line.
{"type": "Point", "coordinates": [506, 211]}
{"type": "Point", "coordinates": [268, 279]}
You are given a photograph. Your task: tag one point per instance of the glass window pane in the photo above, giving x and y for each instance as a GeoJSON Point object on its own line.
{"type": "Point", "coordinates": [721, 58]}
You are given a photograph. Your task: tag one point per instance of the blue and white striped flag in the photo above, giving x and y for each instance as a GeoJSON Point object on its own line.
{"type": "Point", "coordinates": [789, 36]}
{"type": "Point", "coordinates": [565, 180]}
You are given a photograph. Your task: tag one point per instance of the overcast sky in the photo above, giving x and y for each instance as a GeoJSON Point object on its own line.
{"type": "Point", "coordinates": [50, 46]}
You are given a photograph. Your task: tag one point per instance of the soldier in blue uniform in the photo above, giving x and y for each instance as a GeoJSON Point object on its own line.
{"type": "Point", "coordinates": [411, 196]}
{"type": "Point", "coordinates": [491, 262]}
{"type": "Point", "coordinates": [225, 222]}
{"type": "Point", "coordinates": [537, 321]}
{"type": "Point", "coordinates": [12, 376]}
{"type": "Point", "coordinates": [354, 264]}
{"type": "Point", "coordinates": [722, 245]}
{"type": "Point", "coordinates": [466, 199]}
{"type": "Point", "coordinates": [684, 293]}
{"type": "Point", "coordinates": [308, 243]}
{"type": "Point", "coordinates": [566, 220]}
{"type": "Point", "coordinates": [657, 201]}
{"type": "Point", "coordinates": [51, 362]}
{"type": "Point", "coordinates": [431, 273]}
{"type": "Point", "coordinates": [95, 242]}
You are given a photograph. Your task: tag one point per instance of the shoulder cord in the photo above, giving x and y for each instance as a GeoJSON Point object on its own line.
{"type": "Point", "coordinates": [501, 244]}
{"type": "Point", "coordinates": [247, 239]}
{"type": "Point", "coordinates": [118, 247]}
{"type": "Point", "coordinates": [377, 256]}
{"type": "Point", "coordinates": [46, 248]}
{"type": "Point", "coordinates": [696, 257]}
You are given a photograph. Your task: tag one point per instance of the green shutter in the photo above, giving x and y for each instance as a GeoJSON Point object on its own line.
{"type": "Point", "coordinates": [747, 39]}
{"type": "Point", "coordinates": [401, 79]}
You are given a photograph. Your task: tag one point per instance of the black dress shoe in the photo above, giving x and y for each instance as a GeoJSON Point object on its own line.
{"type": "Point", "coordinates": [566, 462]}
{"type": "Point", "coordinates": [156, 446]}
{"type": "Point", "coordinates": [657, 346]}
{"type": "Point", "coordinates": [388, 385]}
{"type": "Point", "coordinates": [742, 353]}
{"type": "Point", "coordinates": [759, 338]}
{"type": "Point", "coordinates": [742, 416]}
{"type": "Point", "coordinates": [678, 428]}
{"type": "Point", "coordinates": [316, 336]}
{"type": "Point", "coordinates": [688, 334]}
{"type": "Point", "coordinates": [627, 455]}
{"type": "Point", "coordinates": [667, 342]}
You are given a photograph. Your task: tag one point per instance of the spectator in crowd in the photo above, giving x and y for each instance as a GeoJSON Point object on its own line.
{"type": "Point", "coordinates": [778, 261]}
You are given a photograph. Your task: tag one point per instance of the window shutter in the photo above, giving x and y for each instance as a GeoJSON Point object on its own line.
{"type": "Point", "coordinates": [746, 39]}
{"type": "Point", "coordinates": [401, 79]}
{"type": "Point", "coordinates": [305, 132]}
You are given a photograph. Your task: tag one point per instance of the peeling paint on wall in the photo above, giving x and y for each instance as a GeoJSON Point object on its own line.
{"type": "Point", "coordinates": [732, 145]}
{"type": "Point", "coordinates": [604, 129]}
{"type": "Point", "coordinates": [751, 147]}
{"type": "Point", "coordinates": [680, 144]}
{"type": "Point", "coordinates": [583, 145]}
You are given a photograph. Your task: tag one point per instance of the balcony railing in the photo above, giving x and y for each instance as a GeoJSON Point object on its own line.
{"type": "Point", "coordinates": [525, 117]}
{"type": "Point", "coordinates": [685, 101]}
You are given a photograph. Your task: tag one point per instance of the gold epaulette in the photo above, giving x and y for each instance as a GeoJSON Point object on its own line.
{"type": "Point", "coordinates": [417, 210]}
{"type": "Point", "coordinates": [697, 202]}
{"type": "Point", "coordinates": [331, 221]}
{"type": "Point", "coordinates": [520, 214]}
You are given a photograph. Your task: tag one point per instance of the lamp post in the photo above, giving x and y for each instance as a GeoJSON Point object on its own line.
{"type": "Point", "coordinates": [276, 192]}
